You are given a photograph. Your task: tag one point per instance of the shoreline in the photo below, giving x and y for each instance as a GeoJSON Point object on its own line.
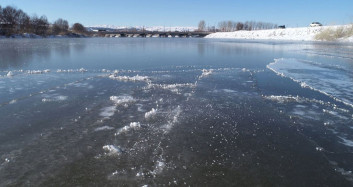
{"type": "Point", "coordinates": [288, 34]}
{"type": "Point", "coordinates": [35, 36]}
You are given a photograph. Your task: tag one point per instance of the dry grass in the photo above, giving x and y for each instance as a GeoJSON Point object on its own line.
{"type": "Point", "coordinates": [331, 34]}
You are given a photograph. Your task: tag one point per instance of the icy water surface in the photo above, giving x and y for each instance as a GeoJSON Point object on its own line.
{"type": "Point", "coordinates": [175, 112]}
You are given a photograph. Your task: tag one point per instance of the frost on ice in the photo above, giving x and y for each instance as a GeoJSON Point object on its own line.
{"type": "Point", "coordinates": [151, 113]}
{"type": "Point", "coordinates": [112, 150]}
{"type": "Point", "coordinates": [133, 125]}
{"type": "Point", "coordinates": [122, 99]}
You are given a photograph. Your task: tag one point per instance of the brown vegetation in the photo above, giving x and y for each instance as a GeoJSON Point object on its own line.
{"type": "Point", "coordinates": [15, 21]}
{"type": "Point", "coordinates": [332, 34]}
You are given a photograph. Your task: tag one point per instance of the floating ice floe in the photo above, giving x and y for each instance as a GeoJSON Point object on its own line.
{"type": "Point", "coordinates": [206, 73]}
{"type": "Point", "coordinates": [127, 78]}
{"type": "Point", "coordinates": [108, 111]}
{"type": "Point", "coordinates": [103, 128]}
{"type": "Point", "coordinates": [54, 98]}
{"type": "Point", "coordinates": [244, 70]}
{"type": "Point", "coordinates": [133, 125]}
{"type": "Point", "coordinates": [106, 71]}
{"type": "Point", "coordinates": [122, 99]}
{"type": "Point", "coordinates": [229, 91]}
{"type": "Point", "coordinates": [284, 98]}
{"type": "Point", "coordinates": [112, 150]}
{"type": "Point", "coordinates": [290, 98]}
{"type": "Point", "coordinates": [151, 113]}
{"type": "Point", "coordinates": [82, 70]}
{"type": "Point", "coordinates": [172, 87]}
{"type": "Point", "coordinates": [10, 74]}
{"type": "Point", "coordinates": [38, 71]}
{"type": "Point", "coordinates": [13, 101]}
{"type": "Point", "coordinates": [118, 100]}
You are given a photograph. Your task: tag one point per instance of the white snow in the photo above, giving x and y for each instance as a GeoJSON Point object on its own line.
{"type": "Point", "coordinates": [54, 98]}
{"type": "Point", "coordinates": [82, 70]}
{"type": "Point", "coordinates": [299, 34]}
{"type": "Point", "coordinates": [103, 128]}
{"type": "Point", "coordinates": [133, 125]}
{"type": "Point", "coordinates": [151, 113]}
{"type": "Point", "coordinates": [127, 78]}
{"type": "Point", "coordinates": [172, 87]}
{"type": "Point", "coordinates": [206, 72]}
{"type": "Point", "coordinates": [112, 150]}
{"type": "Point", "coordinates": [9, 74]}
{"type": "Point", "coordinates": [122, 99]}
{"type": "Point", "coordinates": [108, 111]}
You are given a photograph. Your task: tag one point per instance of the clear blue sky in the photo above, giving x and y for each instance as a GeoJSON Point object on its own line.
{"type": "Point", "coordinates": [189, 12]}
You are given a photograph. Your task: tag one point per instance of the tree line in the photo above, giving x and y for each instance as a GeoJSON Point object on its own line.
{"type": "Point", "coordinates": [16, 21]}
{"type": "Point", "coordinates": [230, 26]}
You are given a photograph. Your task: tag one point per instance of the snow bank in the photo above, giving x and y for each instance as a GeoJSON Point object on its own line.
{"type": "Point", "coordinates": [299, 34]}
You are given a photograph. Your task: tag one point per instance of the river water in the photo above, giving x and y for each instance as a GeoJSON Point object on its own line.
{"type": "Point", "coordinates": [175, 112]}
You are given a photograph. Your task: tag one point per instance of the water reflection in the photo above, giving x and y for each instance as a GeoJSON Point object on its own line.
{"type": "Point", "coordinates": [23, 53]}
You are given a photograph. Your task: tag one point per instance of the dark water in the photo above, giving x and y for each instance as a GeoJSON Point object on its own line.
{"type": "Point", "coordinates": [175, 112]}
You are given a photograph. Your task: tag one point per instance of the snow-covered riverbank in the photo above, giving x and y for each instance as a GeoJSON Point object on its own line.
{"type": "Point", "coordinates": [298, 34]}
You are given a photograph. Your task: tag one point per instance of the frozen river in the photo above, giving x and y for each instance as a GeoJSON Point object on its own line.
{"type": "Point", "coordinates": [178, 112]}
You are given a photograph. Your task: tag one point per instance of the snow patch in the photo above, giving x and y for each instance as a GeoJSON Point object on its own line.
{"type": "Point", "coordinates": [151, 113]}
{"type": "Point", "coordinates": [108, 111]}
{"type": "Point", "coordinates": [298, 34]}
{"type": "Point", "coordinates": [132, 125]}
{"type": "Point", "coordinates": [112, 150]}
{"type": "Point", "coordinates": [103, 128]}
{"type": "Point", "coordinates": [172, 87]}
{"type": "Point", "coordinates": [10, 74]}
{"type": "Point", "coordinates": [175, 114]}
{"type": "Point", "coordinates": [54, 98]}
{"type": "Point", "coordinates": [122, 99]}
{"type": "Point", "coordinates": [127, 78]}
{"type": "Point", "coordinates": [206, 73]}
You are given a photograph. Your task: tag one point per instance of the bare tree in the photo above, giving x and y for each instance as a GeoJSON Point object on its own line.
{"type": "Point", "coordinates": [60, 26]}
{"type": "Point", "coordinates": [24, 21]}
{"type": "Point", "coordinates": [222, 26]}
{"type": "Point", "coordinates": [202, 25]}
{"type": "Point", "coordinates": [78, 28]}
{"type": "Point", "coordinates": [1, 21]}
{"type": "Point", "coordinates": [9, 20]}
{"type": "Point", "coordinates": [0, 14]}
{"type": "Point", "coordinates": [39, 25]}
{"type": "Point", "coordinates": [239, 26]}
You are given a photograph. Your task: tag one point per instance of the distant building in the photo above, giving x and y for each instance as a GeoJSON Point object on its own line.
{"type": "Point", "coordinates": [99, 30]}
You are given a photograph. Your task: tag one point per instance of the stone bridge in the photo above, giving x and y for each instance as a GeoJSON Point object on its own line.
{"type": "Point", "coordinates": [155, 34]}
